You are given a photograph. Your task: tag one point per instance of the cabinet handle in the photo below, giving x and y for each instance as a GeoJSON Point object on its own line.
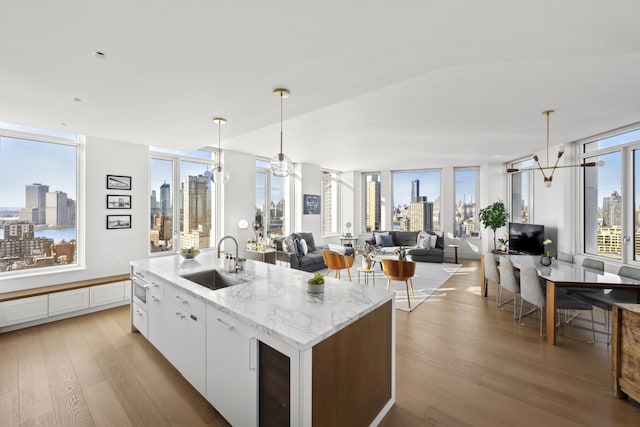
{"type": "Point", "coordinates": [252, 353]}
{"type": "Point", "coordinates": [180, 315]}
{"type": "Point", "coordinates": [182, 300]}
{"type": "Point", "coordinates": [155, 298]}
{"type": "Point", "coordinates": [155, 284]}
{"type": "Point", "coordinates": [138, 312]}
{"type": "Point", "coordinates": [228, 326]}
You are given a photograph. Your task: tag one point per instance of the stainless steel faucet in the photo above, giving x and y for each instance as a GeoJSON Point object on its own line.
{"type": "Point", "coordinates": [236, 266]}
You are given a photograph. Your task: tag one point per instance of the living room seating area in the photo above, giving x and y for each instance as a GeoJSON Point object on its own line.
{"type": "Point", "coordinates": [423, 246]}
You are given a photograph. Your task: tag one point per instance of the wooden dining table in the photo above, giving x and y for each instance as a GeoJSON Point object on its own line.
{"type": "Point", "coordinates": [566, 275]}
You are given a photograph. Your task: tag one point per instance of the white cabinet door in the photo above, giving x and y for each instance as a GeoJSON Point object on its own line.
{"type": "Point", "coordinates": [23, 310]}
{"type": "Point", "coordinates": [127, 290]}
{"type": "Point", "coordinates": [156, 305]}
{"type": "Point", "coordinates": [106, 294]}
{"type": "Point", "coordinates": [68, 301]}
{"type": "Point", "coordinates": [232, 358]}
{"type": "Point", "coordinates": [140, 319]}
{"type": "Point", "coordinates": [185, 337]}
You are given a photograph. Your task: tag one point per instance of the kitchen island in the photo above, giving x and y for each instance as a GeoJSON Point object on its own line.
{"type": "Point", "coordinates": [265, 351]}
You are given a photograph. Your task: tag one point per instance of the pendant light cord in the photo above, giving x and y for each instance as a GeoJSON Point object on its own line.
{"type": "Point", "coordinates": [281, 107]}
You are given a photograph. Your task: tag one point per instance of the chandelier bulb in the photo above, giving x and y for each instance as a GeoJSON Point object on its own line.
{"type": "Point", "coordinates": [547, 184]}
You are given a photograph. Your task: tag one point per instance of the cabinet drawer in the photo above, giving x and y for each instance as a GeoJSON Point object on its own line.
{"type": "Point", "coordinates": [106, 294]}
{"type": "Point", "coordinates": [68, 301]}
{"type": "Point", "coordinates": [23, 310]}
{"type": "Point", "coordinates": [185, 301]}
{"type": "Point", "coordinates": [156, 287]}
{"type": "Point", "coordinates": [140, 321]}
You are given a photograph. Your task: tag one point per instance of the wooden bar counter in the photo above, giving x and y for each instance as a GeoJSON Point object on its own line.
{"type": "Point", "coordinates": [625, 349]}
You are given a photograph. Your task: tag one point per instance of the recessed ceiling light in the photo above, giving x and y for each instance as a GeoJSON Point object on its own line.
{"type": "Point", "coordinates": [99, 54]}
{"type": "Point", "coordinates": [63, 124]}
{"type": "Point", "coordinates": [76, 99]}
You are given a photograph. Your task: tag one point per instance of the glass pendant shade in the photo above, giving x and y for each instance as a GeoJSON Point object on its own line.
{"type": "Point", "coordinates": [281, 165]}
{"type": "Point", "coordinates": [220, 174]}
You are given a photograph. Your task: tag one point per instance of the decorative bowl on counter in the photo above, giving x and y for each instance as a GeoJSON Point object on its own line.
{"type": "Point", "coordinates": [189, 253]}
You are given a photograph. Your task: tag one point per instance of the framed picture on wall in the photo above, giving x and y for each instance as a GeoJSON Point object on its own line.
{"type": "Point", "coordinates": [311, 204]}
{"type": "Point", "coordinates": [116, 201]}
{"type": "Point", "coordinates": [115, 222]}
{"type": "Point", "coordinates": [118, 182]}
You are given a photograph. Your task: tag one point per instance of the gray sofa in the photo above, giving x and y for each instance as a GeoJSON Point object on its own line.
{"type": "Point", "coordinates": [312, 261]}
{"type": "Point", "coordinates": [409, 240]}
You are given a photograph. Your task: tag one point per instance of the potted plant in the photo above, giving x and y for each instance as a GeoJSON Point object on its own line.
{"type": "Point", "coordinates": [315, 285]}
{"type": "Point", "coordinates": [494, 216]}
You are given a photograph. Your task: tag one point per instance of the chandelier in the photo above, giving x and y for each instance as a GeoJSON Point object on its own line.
{"type": "Point", "coordinates": [220, 174]}
{"type": "Point", "coordinates": [281, 165]}
{"type": "Point", "coordinates": [549, 170]}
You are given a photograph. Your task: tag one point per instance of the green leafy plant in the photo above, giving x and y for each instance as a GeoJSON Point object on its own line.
{"type": "Point", "coordinates": [494, 216]}
{"type": "Point", "coordinates": [317, 279]}
{"type": "Point", "coordinates": [191, 252]}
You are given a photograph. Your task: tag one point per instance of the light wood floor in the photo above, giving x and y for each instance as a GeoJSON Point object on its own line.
{"type": "Point", "coordinates": [460, 362]}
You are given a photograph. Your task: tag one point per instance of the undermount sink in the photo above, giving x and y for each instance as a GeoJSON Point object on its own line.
{"type": "Point", "coordinates": [214, 279]}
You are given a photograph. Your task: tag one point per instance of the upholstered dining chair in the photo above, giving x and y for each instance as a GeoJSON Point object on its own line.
{"type": "Point", "coordinates": [606, 298]}
{"type": "Point", "coordinates": [532, 291]}
{"type": "Point", "coordinates": [491, 272]}
{"type": "Point", "coordinates": [401, 271]}
{"type": "Point", "coordinates": [596, 264]}
{"type": "Point", "coordinates": [508, 281]}
{"type": "Point", "coordinates": [337, 262]}
{"type": "Point", "coordinates": [565, 257]}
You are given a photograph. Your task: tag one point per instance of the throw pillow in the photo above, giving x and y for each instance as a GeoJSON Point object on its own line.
{"type": "Point", "coordinates": [386, 241]}
{"type": "Point", "coordinates": [432, 241]}
{"type": "Point", "coordinates": [288, 245]}
{"type": "Point", "coordinates": [337, 249]}
{"type": "Point", "coordinates": [378, 236]}
{"type": "Point", "coordinates": [298, 248]}
{"type": "Point", "coordinates": [305, 248]}
{"type": "Point", "coordinates": [308, 237]}
{"type": "Point", "coordinates": [423, 242]}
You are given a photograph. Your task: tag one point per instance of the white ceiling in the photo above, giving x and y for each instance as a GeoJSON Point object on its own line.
{"type": "Point", "coordinates": [374, 84]}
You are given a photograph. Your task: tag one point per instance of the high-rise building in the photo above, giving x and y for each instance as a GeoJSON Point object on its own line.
{"type": "Point", "coordinates": [420, 215]}
{"type": "Point", "coordinates": [612, 209]}
{"type": "Point", "coordinates": [415, 190]}
{"type": "Point", "coordinates": [196, 212]}
{"type": "Point", "coordinates": [36, 198]}
{"type": "Point", "coordinates": [161, 232]}
{"type": "Point", "coordinates": [165, 199]}
{"type": "Point", "coordinates": [57, 209]}
{"type": "Point", "coordinates": [372, 220]}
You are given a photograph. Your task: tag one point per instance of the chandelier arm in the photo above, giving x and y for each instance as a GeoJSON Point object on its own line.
{"type": "Point", "coordinates": [581, 165]}
{"type": "Point", "coordinates": [540, 168]}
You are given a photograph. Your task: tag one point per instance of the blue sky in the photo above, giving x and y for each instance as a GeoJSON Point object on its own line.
{"type": "Point", "coordinates": [49, 164]}
{"type": "Point", "coordinates": [429, 186]}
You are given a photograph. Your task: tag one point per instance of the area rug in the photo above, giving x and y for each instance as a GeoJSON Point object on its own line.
{"type": "Point", "coordinates": [429, 277]}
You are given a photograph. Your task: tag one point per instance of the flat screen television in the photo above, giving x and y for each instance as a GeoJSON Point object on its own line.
{"type": "Point", "coordinates": [526, 238]}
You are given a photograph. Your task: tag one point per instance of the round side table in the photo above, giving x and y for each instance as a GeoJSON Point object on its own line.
{"type": "Point", "coordinates": [367, 272]}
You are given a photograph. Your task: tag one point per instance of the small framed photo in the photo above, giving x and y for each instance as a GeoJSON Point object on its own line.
{"type": "Point", "coordinates": [118, 182]}
{"type": "Point", "coordinates": [115, 222]}
{"type": "Point", "coordinates": [115, 201]}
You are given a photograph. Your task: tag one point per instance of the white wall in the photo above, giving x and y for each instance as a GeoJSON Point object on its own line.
{"type": "Point", "coordinates": [107, 252]}
{"type": "Point", "coordinates": [493, 187]}
{"type": "Point", "coordinates": [238, 197]}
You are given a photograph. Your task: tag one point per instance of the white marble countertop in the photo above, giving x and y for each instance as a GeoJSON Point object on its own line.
{"type": "Point", "coordinates": [275, 299]}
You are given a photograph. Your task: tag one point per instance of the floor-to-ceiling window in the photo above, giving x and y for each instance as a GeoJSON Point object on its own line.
{"type": "Point", "coordinates": [182, 200]}
{"type": "Point", "coordinates": [39, 198]}
{"type": "Point", "coordinates": [271, 201]}
{"type": "Point", "coordinates": [610, 214]}
{"type": "Point", "coordinates": [372, 205]}
{"type": "Point", "coordinates": [465, 220]}
{"type": "Point", "coordinates": [521, 200]}
{"type": "Point", "coordinates": [416, 200]}
{"type": "Point", "coordinates": [330, 203]}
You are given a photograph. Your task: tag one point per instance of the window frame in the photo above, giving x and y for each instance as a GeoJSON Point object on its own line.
{"type": "Point", "coordinates": [62, 138]}
{"type": "Point", "coordinates": [266, 221]}
{"type": "Point", "coordinates": [627, 188]}
{"type": "Point", "coordinates": [440, 228]}
{"type": "Point", "coordinates": [337, 180]}
{"type": "Point", "coordinates": [476, 169]}
{"type": "Point", "coordinates": [176, 160]}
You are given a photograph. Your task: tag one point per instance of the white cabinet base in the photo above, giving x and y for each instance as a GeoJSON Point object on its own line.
{"type": "Point", "coordinates": [68, 301]}
{"type": "Point", "coordinates": [23, 310]}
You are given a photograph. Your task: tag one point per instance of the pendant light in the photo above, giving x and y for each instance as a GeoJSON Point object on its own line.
{"type": "Point", "coordinates": [220, 174]}
{"type": "Point", "coordinates": [281, 165]}
{"type": "Point", "coordinates": [549, 170]}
